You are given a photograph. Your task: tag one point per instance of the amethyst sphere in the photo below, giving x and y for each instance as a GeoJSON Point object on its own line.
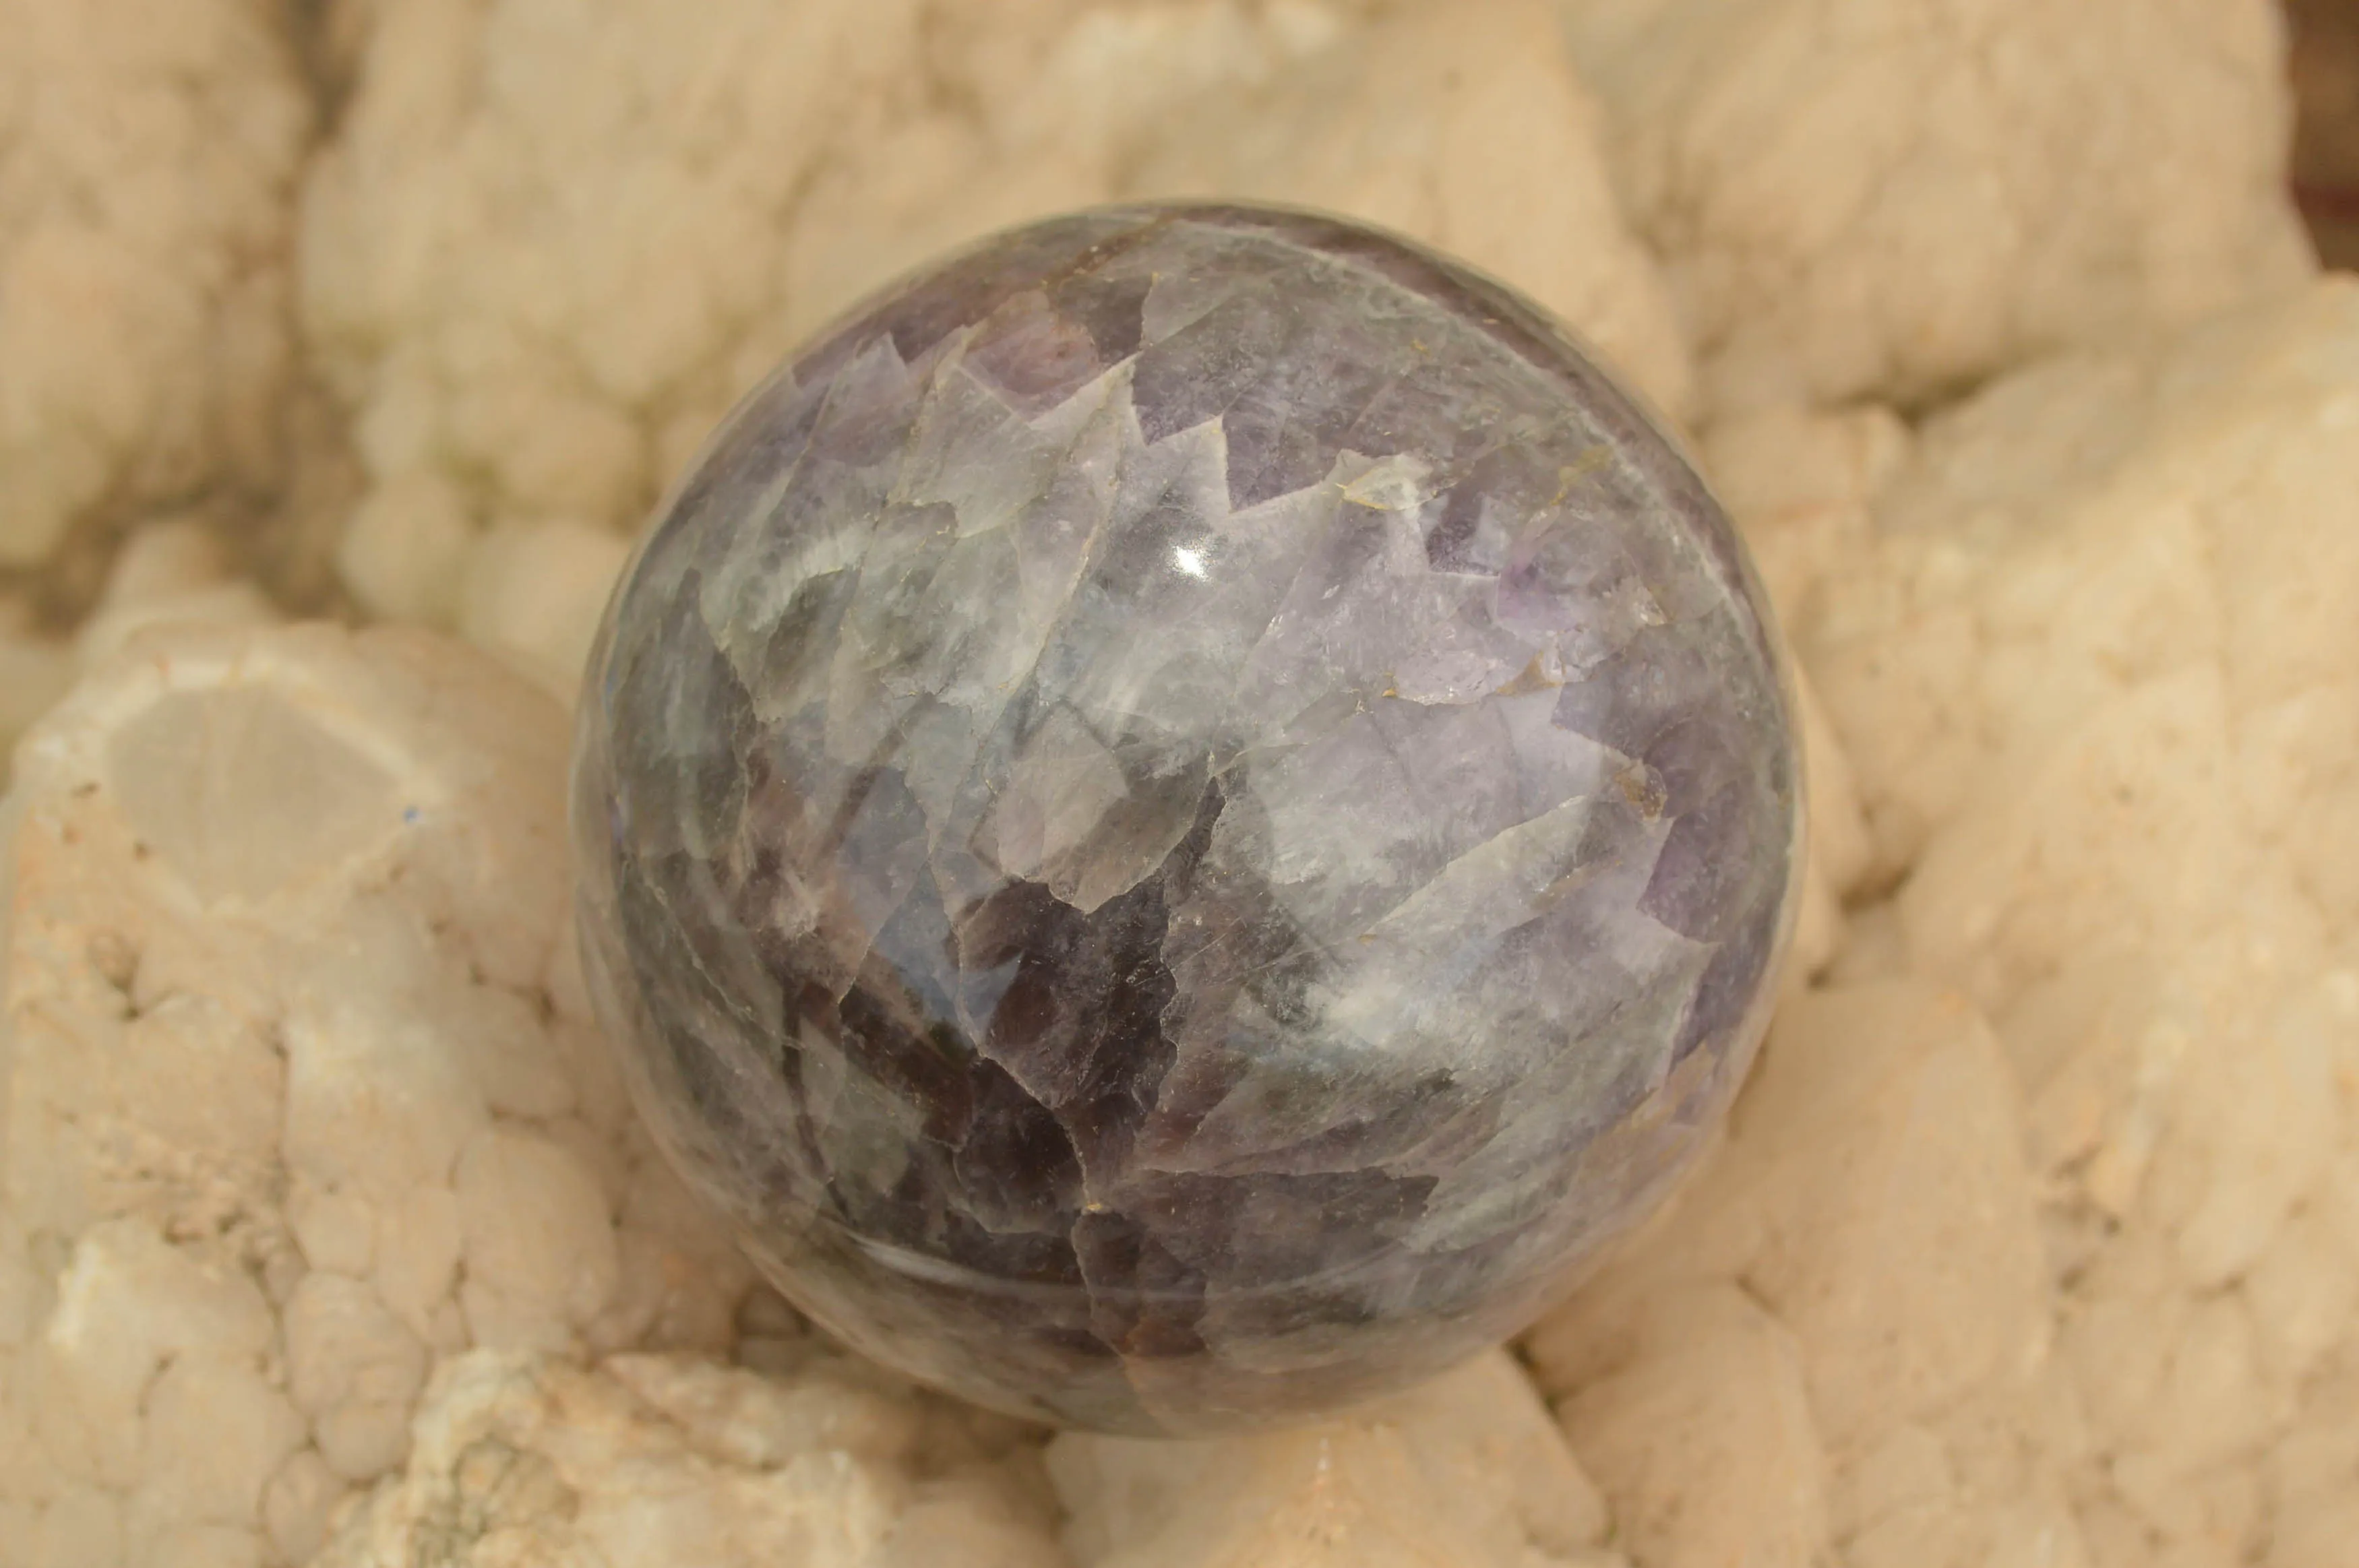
{"type": "Point", "coordinates": [1182, 815]}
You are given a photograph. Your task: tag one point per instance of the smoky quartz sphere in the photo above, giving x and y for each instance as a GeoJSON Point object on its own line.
{"type": "Point", "coordinates": [1182, 815]}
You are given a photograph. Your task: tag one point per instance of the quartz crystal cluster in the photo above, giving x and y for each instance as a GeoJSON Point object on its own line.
{"type": "Point", "coordinates": [1183, 812]}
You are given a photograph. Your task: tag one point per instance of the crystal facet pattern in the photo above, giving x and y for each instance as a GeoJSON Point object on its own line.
{"type": "Point", "coordinates": [1182, 815]}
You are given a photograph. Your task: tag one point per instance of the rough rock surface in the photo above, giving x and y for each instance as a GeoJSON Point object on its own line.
{"type": "Point", "coordinates": [547, 250]}
{"type": "Point", "coordinates": [652, 1461]}
{"type": "Point", "coordinates": [1182, 813]}
{"type": "Point", "coordinates": [148, 157]}
{"type": "Point", "coordinates": [1840, 1336]}
{"type": "Point", "coordinates": [324, 1235]}
{"type": "Point", "coordinates": [299, 1093]}
{"type": "Point", "coordinates": [1888, 198]}
{"type": "Point", "coordinates": [2113, 599]}
{"type": "Point", "coordinates": [2087, 638]}
{"type": "Point", "coordinates": [2185, 1103]}
{"type": "Point", "coordinates": [168, 571]}
{"type": "Point", "coordinates": [1464, 1472]}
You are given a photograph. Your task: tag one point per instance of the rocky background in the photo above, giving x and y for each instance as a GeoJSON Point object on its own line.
{"type": "Point", "coordinates": [325, 1236]}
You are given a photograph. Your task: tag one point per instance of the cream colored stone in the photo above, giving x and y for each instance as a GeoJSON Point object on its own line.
{"type": "Point", "coordinates": [528, 355]}
{"type": "Point", "coordinates": [2267, 1121]}
{"type": "Point", "coordinates": [1705, 1443]}
{"type": "Point", "coordinates": [679, 1290]}
{"type": "Point", "coordinates": [1836, 834]}
{"type": "Point", "coordinates": [277, 904]}
{"type": "Point", "coordinates": [1844, 1321]}
{"type": "Point", "coordinates": [2083, 643]}
{"type": "Point", "coordinates": [1466, 1470]}
{"type": "Point", "coordinates": [297, 1503]}
{"type": "Point", "coordinates": [538, 1462]}
{"type": "Point", "coordinates": [1889, 200]}
{"type": "Point", "coordinates": [2304, 1296]}
{"type": "Point", "coordinates": [35, 670]}
{"type": "Point", "coordinates": [168, 573]}
{"type": "Point", "coordinates": [151, 156]}
{"type": "Point", "coordinates": [539, 1250]}
{"type": "Point", "coordinates": [372, 1104]}
{"type": "Point", "coordinates": [216, 1430]}
{"type": "Point", "coordinates": [417, 1249]}
{"type": "Point", "coordinates": [535, 594]}
{"type": "Point", "coordinates": [403, 552]}
{"type": "Point", "coordinates": [127, 1304]}
{"type": "Point", "coordinates": [496, 1031]}
{"type": "Point", "coordinates": [336, 1230]}
{"type": "Point", "coordinates": [81, 1526]}
{"type": "Point", "coordinates": [968, 1521]}
{"type": "Point", "coordinates": [2318, 1536]}
{"type": "Point", "coordinates": [2081, 662]}
{"type": "Point", "coordinates": [2042, 593]}
{"type": "Point", "coordinates": [1402, 127]}
{"type": "Point", "coordinates": [355, 1371]}
{"type": "Point", "coordinates": [1884, 1138]}
{"type": "Point", "coordinates": [734, 1417]}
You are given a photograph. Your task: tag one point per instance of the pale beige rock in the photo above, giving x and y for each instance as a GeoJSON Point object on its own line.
{"type": "Point", "coordinates": [336, 1230]}
{"type": "Point", "coordinates": [736, 1417]}
{"type": "Point", "coordinates": [655, 1462]}
{"type": "Point", "coordinates": [79, 1526]}
{"type": "Point", "coordinates": [354, 1370]}
{"type": "Point", "coordinates": [167, 573]}
{"type": "Point", "coordinates": [2095, 665]}
{"type": "Point", "coordinates": [540, 1248]}
{"type": "Point", "coordinates": [679, 1280]}
{"type": "Point", "coordinates": [216, 1432]}
{"type": "Point", "coordinates": [1705, 1440]}
{"type": "Point", "coordinates": [2059, 544]}
{"type": "Point", "coordinates": [1799, 484]}
{"type": "Point", "coordinates": [1888, 199]}
{"type": "Point", "coordinates": [2303, 1295]}
{"type": "Point", "coordinates": [296, 1505]}
{"type": "Point", "coordinates": [279, 908]}
{"type": "Point", "coordinates": [1402, 124]}
{"type": "Point", "coordinates": [2081, 649]}
{"type": "Point", "coordinates": [404, 550]}
{"type": "Point", "coordinates": [534, 592]}
{"type": "Point", "coordinates": [1902, 1252]}
{"type": "Point", "coordinates": [2313, 1475]}
{"type": "Point", "coordinates": [1465, 1472]}
{"type": "Point", "coordinates": [127, 1304]}
{"type": "Point", "coordinates": [369, 1107]}
{"type": "Point", "coordinates": [537, 297]}
{"type": "Point", "coordinates": [1856, 1271]}
{"type": "Point", "coordinates": [418, 1242]}
{"type": "Point", "coordinates": [149, 155]}
{"type": "Point", "coordinates": [35, 670]}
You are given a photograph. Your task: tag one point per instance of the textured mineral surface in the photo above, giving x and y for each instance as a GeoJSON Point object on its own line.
{"type": "Point", "coordinates": [327, 1233]}
{"type": "Point", "coordinates": [1182, 812]}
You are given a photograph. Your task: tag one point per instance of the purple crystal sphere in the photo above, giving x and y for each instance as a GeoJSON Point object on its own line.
{"type": "Point", "coordinates": [1182, 815]}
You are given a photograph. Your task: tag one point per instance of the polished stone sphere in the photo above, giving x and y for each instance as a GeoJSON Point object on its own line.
{"type": "Point", "coordinates": [1182, 815]}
